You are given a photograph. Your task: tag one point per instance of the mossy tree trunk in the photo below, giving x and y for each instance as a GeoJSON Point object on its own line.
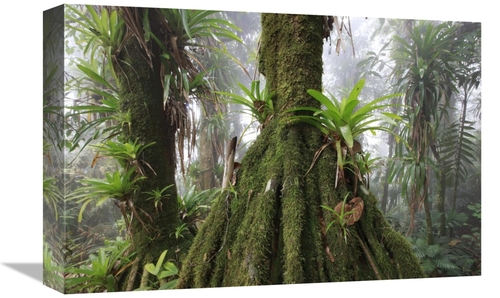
{"type": "Point", "coordinates": [272, 230]}
{"type": "Point", "coordinates": [142, 95]}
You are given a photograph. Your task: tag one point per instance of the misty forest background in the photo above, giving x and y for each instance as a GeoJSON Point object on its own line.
{"type": "Point", "coordinates": [423, 166]}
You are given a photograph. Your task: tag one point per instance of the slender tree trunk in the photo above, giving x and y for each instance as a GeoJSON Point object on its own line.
{"type": "Point", "coordinates": [459, 147]}
{"type": "Point", "coordinates": [385, 193]}
{"type": "Point", "coordinates": [272, 230]}
{"type": "Point", "coordinates": [427, 211]}
{"type": "Point", "coordinates": [440, 205]}
{"type": "Point", "coordinates": [208, 155]}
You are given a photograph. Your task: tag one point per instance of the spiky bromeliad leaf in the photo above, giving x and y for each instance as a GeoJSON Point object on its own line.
{"type": "Point", "coordinates": [342, 123]}
{"type": "Point", "coordinates": [96, 118]}
{"type": "Point", "coordinates": [117, 185]}
{"type": "Point", "coordinates": [126, 153]}
{"type": "Point", "coordinates": [102, 31]}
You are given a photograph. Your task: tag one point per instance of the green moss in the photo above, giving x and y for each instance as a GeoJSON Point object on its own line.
{"type": "Point", "coordinates": [275, 235]}
{"type": "Point", "coordinates": [141, 94]}
{"type": "Point", "coordinates": [400, 250]}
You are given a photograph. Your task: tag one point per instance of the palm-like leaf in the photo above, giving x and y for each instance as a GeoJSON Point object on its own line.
{"type": "Point", "coordinates": [424, 70]}
{"type": "Point", "coordinates": [448, 150]}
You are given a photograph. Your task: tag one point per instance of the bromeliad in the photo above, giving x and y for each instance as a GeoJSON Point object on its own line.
{"type": "Point", "coordinates": [342, 121]}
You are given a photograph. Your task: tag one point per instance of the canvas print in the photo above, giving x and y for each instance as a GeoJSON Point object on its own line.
{"type": "Point", "coordinates": [191, 149]}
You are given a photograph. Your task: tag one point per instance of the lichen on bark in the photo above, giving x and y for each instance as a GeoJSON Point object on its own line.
{"type": "Point", "coordinates": [272, 228]}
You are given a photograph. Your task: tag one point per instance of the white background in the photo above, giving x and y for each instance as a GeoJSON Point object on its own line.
{"type": "Point", "coordinates": [21, 158]}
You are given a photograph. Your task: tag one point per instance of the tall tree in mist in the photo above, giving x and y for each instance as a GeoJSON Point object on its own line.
{"type": "Point", "coordinates": [271, 228]}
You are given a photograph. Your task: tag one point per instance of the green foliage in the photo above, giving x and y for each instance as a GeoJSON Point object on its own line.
{"type": "Point", "coordinates": [169, 270]}
{"type": "Point", "coordinates": [476, 210]}
{"type": "Point", "coordinates": [446, 257]}
{"type": "Point", "coordinates": [123, 152]}
{"type": "Point", "coordinates": [458, 147]}
{"type": "Point", "coordinates": [425, 60]}
{"type": "Point", "coordinates": [470, 247]}
{"type": "Point", "coordinates": [455, 219]}
{"type": "Point", "coordinates": [257, 103]}
{"type": "Point", "coordinates": [189, 27]}
{"type": "Point", "coordinates": [366, 163]}
{"type": "Point", "coordinates": [343, 121]}
{"type": "Point", "coordinates": [52, 272]}
{"type": "Point", "coordinates": [118, 185]}
{"type": "Point", "coordinates": [434, 259]}
{"type": "Point", "coordinates": [456, 256]}
{"type": "Point", "coordinates": [102, 30]}
{"type": "Point", "coordinates": [410, 174]}
{"type": "Point", "coordinates": [97, 118]}
{"type": "Point", "coordinates": [157, 195]}
{"type": "Point", "coordinates": [51, 194]}
{"type": "Point", "coordinates": [179, 230]}
{"type": "Point", "coordinates": [190, 24]}
{"type": "Point", "coordinates": [216, 127]}
{"type": "Point", "coordinates": [52, 107]}
{"type": "Point", "coordinates": [126, 153]}
{"type": "Point", "coordinates": [194, 206]}
{"type": "Point", "coordinates": [102, 271]}
{"type": "Point", "coordinates": [423, 69]}
{"type": "Point", "coordinates": [340, 218]}
{"type": "Point", "coordinates": [151, 268]}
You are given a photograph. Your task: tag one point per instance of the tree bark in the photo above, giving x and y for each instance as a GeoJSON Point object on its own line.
{"type": "Point", "coordinates": [271, 228]}
{"type": "Point", "coordinates": [141, 94]}
{"type": "Point", "coordinates": [208, 154]}
{"type": "Point", "coordinates": [385, 194]}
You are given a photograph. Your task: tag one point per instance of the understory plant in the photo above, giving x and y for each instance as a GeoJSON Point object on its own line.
{"type": "Point", "coordinates": [52, 272]}
{"type": "Point", "coordinates": [458, 255]}
{"type": "Point", "coordinates": [194, 206]}
{"type": "Point", "coordinates": [164, 272]}
{"type": "Point", "coordinates": [102, 269]}
{"type": "Point", "coordinates": [51, 194]}
{"type": "Point", "coordinates": [436, 259]}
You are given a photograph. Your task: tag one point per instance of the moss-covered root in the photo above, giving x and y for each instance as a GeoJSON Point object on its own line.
{"type": "Point", "coordinates": [272, 230]}
{"type": "Point", "coordinates": [391, 252]}
{"type": "Point", "coordinates": [207, 250]}
{"type": "Point", "coordinates": [407, 264]}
